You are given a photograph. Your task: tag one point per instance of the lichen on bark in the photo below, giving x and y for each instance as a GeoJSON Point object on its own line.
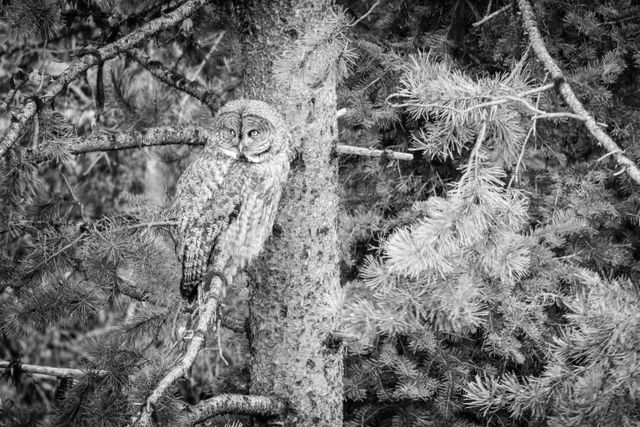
{"type": "Point", "coordinates": [296, 281]}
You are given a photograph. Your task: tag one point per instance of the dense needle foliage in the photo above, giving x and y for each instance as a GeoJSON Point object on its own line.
{"type": "Point", "coordinates": [493, 280]}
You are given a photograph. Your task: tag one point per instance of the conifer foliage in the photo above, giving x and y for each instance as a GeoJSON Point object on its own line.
{"type": "Point", "coordinates": [505, 292]}
{"type": "Point", "coordinates": [492, 280]}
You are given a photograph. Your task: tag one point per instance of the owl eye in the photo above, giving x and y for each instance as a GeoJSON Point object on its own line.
{"type": "Point", "coordinates": [253, 133]}
{"type": "Point", "coordinates": [232, 132]}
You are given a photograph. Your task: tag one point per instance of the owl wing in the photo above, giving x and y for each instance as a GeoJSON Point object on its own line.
{"type": "Point", "coordinates": [207, 201]}
{"type": "Point", "coordinates": [200, 239]}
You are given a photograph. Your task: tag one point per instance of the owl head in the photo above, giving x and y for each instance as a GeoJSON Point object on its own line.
{"type": "Point", "coordinates": [250, 131]}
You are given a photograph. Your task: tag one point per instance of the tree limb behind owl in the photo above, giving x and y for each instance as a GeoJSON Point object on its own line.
{"type": "Point", "coordinates": [226, 200]}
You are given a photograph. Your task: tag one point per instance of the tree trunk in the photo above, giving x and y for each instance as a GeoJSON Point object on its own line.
{"type": "Point", "coordinates": [294, 303]}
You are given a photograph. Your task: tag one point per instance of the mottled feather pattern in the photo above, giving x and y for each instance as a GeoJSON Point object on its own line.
{"type": "Point", "coordinates": [226, 200]}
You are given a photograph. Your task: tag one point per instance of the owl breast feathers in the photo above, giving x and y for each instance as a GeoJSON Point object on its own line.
{"type": "Point", "coordinates": [226, 200]}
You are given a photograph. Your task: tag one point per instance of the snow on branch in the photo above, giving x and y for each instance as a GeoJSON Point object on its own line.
{"type": "Point", "coordinates": [207, 96]}
{"type": "Point", "coordinates": [87, 61]}
{"type": "Point", "coordinates": [543, 55]}
{"type": "Point", "coordinates": [237, 404]}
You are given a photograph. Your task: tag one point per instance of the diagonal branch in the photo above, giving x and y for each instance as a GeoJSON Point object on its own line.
{"type": "Point", "coordinates": [207, 316]}
{"type": "Point", "coordinates": [491, 16]}
{"type": "Point", "coordinates": [236, 404]}
{"type": "Point", "coordinates": [76, 69]}
{"type": "Point", "coordinates": [567, 93]}
{"type": "Point", "coordinates": [207, 96]}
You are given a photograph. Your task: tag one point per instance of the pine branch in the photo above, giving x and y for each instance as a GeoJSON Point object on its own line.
{"type": "Point", "coordinates": [207, 316]}
{"type": "Point", "coordinates": [603, 139]}
{"type": "Point", "coordinates": [163, 135]}
{"type": "Point", "coordinates": [496, 100]}
{"type": "Point", "coordinates": [236, 404]}
{"type": "Point", "coordinates": [75, 70]}
{"type": "Point", "coordinates": [192, 135]}
{"type": "Point", "coordinates": [207, 96]}
{"type": "Point", "coordinates": [51, 370]}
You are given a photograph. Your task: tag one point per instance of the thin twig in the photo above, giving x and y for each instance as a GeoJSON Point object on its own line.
{"type": "Point", "coordinates": [491, 16]}
{"type": "Point", "coordinates": [514, 177]}
{"type": "Point", "coordinates": [537, 42]}
{"type": "Point", "coordinates": [497, 100]}
{"type": "Point", "coordinates": [58, 252]}
{"type": "Point", "coordinates": [357, 21]}
{"type": "Point", "coordinates": [73, 195]}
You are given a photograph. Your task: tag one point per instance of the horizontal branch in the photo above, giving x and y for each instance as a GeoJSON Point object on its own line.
{"type": "Point", "coordinates": [192, 135]}
{"type": "Point", "coordinates": [51, 370]}
{"type": "Point", "coordinates": [543, 55]}
{"type": "Point", "coordinates": [163, 135]}
{"type": "Point", "coordinates": [207, 96]}
{"type": "Point", "coordinates": [361, 151]}
{"type": "Point", "coordinates": [237, 404]}
{"type": "Point", "coordinates": [76, 69]}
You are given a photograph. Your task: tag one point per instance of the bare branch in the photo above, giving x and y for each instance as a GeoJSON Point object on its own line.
{"type": "Point", "coordinates": [163, 135]}
{"type": "Point", "coordinates": [491, 16]}
{"type": "Point", "coordinates": [603, 139]}
{"type": "Point", "coordinates": [361, 151]}
{"type": "Point", "coordinates": [76, 69]}
{"type": "Point", "coordinates": [357, 21]}
{"type": "Point", "coordinates": [237, 404]}
{"type": "Point", "coordinates": [207, 96]}
{"type": "Point", "coordinates": [51, 370]}
{"type": "Point", "coordinates": [207, 316]}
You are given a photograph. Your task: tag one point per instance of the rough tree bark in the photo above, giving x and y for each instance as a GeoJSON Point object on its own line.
{"type": "Point", "coordinates": [295, 292]}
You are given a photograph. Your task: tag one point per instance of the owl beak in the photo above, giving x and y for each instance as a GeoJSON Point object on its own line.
{"type": "Point", "coordinates": [241, 146]}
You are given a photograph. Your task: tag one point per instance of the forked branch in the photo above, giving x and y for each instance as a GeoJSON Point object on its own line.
{"type": "Point", "coordinates": [569, 96]}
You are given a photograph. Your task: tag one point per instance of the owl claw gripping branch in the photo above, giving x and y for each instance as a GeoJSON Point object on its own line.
{"type": "Point", "coordinates": [226, 200]}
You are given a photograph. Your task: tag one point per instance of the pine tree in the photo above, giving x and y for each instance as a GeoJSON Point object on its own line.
{"type": "Point", "coordinates": [491, 280]}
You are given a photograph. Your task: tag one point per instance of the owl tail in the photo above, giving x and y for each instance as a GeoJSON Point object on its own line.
{"type": "Point", "coordinates": [195, 258]}
{"type": "Point", "coordinates": [189, 289]}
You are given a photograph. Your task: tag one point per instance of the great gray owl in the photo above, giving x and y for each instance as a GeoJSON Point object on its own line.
{"type": "Point", "coordinates": [226, 200]}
